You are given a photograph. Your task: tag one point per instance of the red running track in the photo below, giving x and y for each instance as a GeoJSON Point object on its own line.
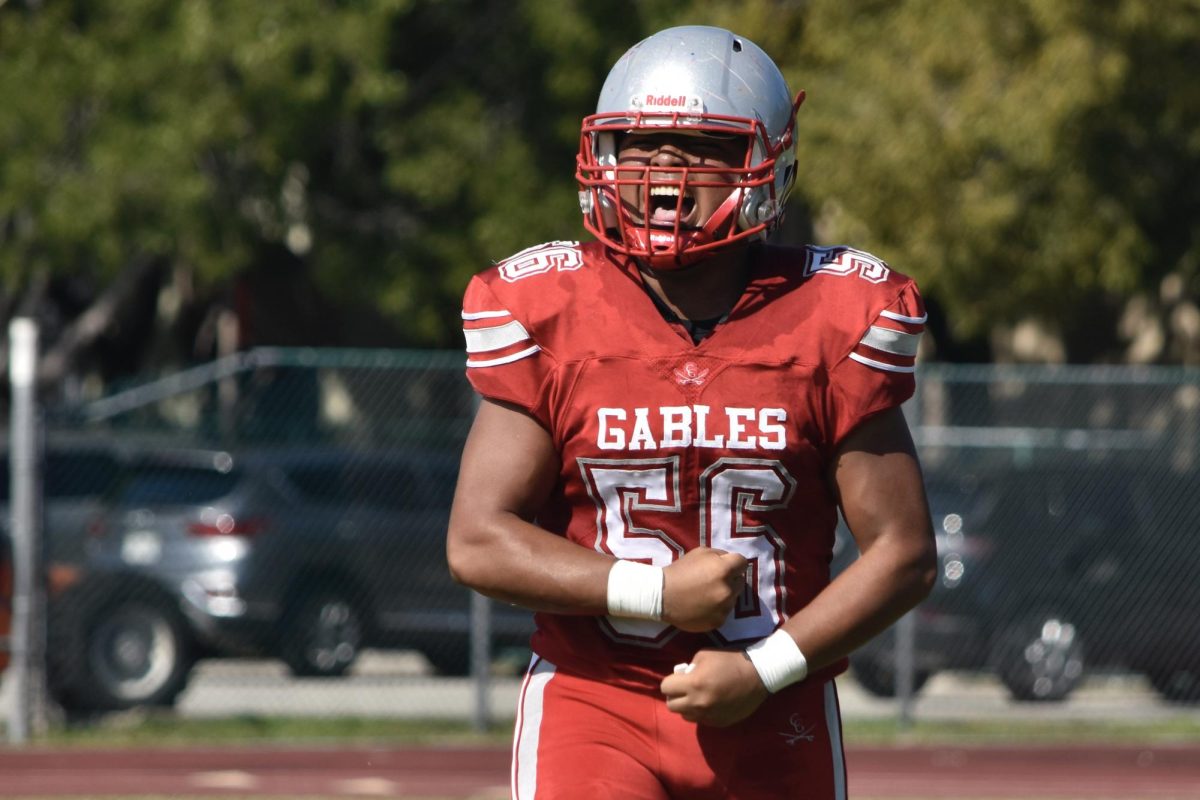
{"type": "Point", "coordinates": [1096, 772]}
{"type": "Point", "coordinates": [1133, 772]}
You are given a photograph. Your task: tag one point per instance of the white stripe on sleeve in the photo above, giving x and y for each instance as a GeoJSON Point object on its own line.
{"type": "Point", "coordinates": [495, 362]}
{"type": "Point", "coordinates": [892, 341]}
{"type": "Point", "coordinates": [484, 314]}
{"type": "Point", "coordinates": [870, 362]}
{"type": "Point", "coordinates": [901, 318]}
{"type": "Point", "coordinates": [497, 337]}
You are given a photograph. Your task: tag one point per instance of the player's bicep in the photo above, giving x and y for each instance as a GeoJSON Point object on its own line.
{"type": "Point", "coordinates": [509, 465]}
{"type": "Point", "coordinates": [877, 477]}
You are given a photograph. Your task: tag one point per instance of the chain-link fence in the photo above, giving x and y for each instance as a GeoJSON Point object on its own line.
{"type": "Point", "coordinates": [265, 534]}
{"type": "Point", "coordinates": [1066, 502]}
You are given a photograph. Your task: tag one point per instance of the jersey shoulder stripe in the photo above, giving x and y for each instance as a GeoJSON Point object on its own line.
{"type": "Point", "coordinates": [494, 338]}
{"type": "Point", "coordinates": [892, 341]}
{"type": "Point", "coordinates": [892, 315]}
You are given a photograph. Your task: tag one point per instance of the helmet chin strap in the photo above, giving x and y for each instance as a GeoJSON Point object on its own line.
{"type": "Point", "coordinates": [720, 224]}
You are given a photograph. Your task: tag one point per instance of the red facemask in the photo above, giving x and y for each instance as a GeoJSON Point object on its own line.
{"type": "Point", "coordinates": [751, 210]}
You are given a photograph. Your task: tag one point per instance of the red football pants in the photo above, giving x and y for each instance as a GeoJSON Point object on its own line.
{"type": "Point", "coordinates": [580, 739]}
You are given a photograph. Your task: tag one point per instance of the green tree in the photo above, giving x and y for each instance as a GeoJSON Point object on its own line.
{"type": "Point", "coordinates": [1032, 159]}
{"type": "Point", "coordinates": [381, 151]}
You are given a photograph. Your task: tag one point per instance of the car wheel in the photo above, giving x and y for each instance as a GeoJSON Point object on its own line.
{"type": "Point", "coordinates": [323, 635]}
{"type": "Point", "coordinates": [1178, 686]}
{"type": "Point", "coordinates": [878, 676]}
{"type": "Point", "coordinates": [1040, 659]}
{"type": "Point", "coordinates": [132, 652]}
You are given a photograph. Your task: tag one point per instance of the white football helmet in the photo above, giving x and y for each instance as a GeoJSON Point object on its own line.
{"type": "Point", "coordinates": [691, 79]}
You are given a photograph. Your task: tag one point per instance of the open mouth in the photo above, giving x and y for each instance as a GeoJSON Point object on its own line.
{"type": "Point", "coordinates": [667, 210]}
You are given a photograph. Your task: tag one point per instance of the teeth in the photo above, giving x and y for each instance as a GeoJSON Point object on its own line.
{"type": "Point", "coordinates": [664, 191]}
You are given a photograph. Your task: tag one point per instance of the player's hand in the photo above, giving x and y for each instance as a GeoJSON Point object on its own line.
{"type": "Point", "coordinates": [700, 588]}
{"type": "Point", "coordinates": [718, 687]}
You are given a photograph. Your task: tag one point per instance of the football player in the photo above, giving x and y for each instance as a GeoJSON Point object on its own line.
{"type": "Point", "coordinates": [671, 416]}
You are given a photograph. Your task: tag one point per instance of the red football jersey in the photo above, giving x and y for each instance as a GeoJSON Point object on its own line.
{"type": "Point", "coordinates": [668, 445]}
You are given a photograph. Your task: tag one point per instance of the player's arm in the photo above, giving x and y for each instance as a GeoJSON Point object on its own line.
{"type": "Point", "coordinates": [509, 467]}
{"type": "Point", "coordinates": [877, 478]}
{"type": "Point", "coordinates": [878, 481]}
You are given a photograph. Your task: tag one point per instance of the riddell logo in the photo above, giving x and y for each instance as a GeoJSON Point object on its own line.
{"type": "Point", "coordinates": [666, 100]}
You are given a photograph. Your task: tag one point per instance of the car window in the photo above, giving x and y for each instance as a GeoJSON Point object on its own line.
{"type": "Point", "coordinates": [387, 486]}
{"type": "Point", "coordinates": [69, 475]}
{"type": "Point", "coordinates": [75, 475]}
{"type": "Point", "coordinates": [321, 483]}
{"type": "Point", "coordinates": [175, 485]}
{"type": "Point", "coordinates": [395, 486]}
{"type": "Point", "coordinates": [1173, 506]}
{"type": "Point", "coordinates": [439, 488]}
{"type": "Point", "coordinates": [382, 484]}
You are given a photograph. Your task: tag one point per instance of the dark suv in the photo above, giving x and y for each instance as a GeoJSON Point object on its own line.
{"type": "Point", "coordinates": [1093, 566]}
{"type": "Point", "coordinates": [305, 554]}
{"type": "Point", "coordinates": [1058, 570]}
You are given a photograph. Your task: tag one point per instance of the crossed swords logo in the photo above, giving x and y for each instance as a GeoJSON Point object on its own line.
{"type": "Point", "coordinates": [690, 375]}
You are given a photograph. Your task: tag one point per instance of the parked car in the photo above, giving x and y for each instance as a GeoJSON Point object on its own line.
{"type": "Point", "coordinates": [1058, 571]}
{"type": "Point", "coordinates": [1093, 568]}
{"type": "Point", "coordinates": [308, 555]}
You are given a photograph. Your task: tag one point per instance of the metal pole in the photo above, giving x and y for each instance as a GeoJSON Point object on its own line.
{"type": "Point", "coordinates": [906, 641]}
{"type": "Point", "coordinates": [27, 712]}
{"type": "Point", "coordinates": [228, 336]}
{"type": "Point", "coordinates": [481, 648]}
{"type": "Point", "coordinates": [481, 660]}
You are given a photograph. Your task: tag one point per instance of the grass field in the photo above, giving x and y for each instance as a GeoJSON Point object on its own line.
{"type": "Point", "coordinates": [144, 729]}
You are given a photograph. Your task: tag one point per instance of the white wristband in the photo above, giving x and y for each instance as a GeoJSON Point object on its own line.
{"type": "Point", "coordinates": [635, 590]}
{"type": "Point", "coordinates": [778, 661]}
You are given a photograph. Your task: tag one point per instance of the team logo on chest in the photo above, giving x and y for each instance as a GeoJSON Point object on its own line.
{"type": "Point", "coordinates": [690, 374]}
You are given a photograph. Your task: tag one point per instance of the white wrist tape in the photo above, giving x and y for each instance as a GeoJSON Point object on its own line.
{"type": "Point", "coordinates": [635, 590]}
{"type": "Point", "coordinates": [778, 661]}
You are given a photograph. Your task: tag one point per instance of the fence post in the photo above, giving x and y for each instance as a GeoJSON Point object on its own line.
{"type": "Point", "coordinates": [905, 643]}
{"type": "Point", "coordinates": [27, 714]}
{"type": "Point", "coordinates": [906, 635]}
{"type": "Point", "coordinates": [481, 660]}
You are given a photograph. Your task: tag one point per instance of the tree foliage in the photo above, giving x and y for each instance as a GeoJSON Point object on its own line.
{"type": "Point", "coordinates": [1030, 158]}
{"type": "Point", "coordinates": [1027, 159]}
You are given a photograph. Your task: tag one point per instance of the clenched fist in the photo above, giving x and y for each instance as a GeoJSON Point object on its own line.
{"type": "Point", "coordinates": [718, 687]}
{"type": "Point", "coordinates": [700, 588]}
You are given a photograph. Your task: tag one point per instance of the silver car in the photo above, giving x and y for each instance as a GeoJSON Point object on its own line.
{"type": "Point", "coordinates": [308, 555]}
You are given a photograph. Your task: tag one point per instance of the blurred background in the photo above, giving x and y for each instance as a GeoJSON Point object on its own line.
{"type": "Point", "coordinates": [243, 230]}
